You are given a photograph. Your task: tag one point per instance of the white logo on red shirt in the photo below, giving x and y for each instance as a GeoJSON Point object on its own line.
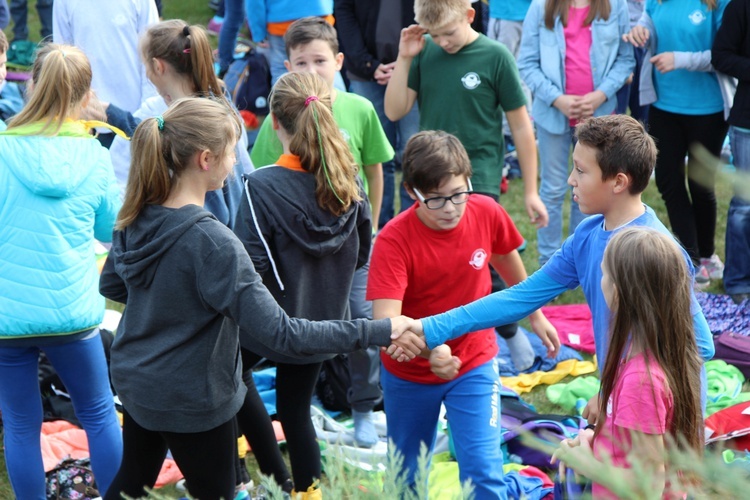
{"type": "Point", "coordinates": [478, 259]}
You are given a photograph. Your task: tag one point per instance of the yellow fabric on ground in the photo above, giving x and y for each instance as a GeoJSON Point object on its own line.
{"type": "Point", "coordinates": [526, 381]}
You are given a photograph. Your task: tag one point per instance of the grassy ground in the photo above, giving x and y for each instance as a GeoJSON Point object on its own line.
{"type": "Point", "coordinates": [197, 12]}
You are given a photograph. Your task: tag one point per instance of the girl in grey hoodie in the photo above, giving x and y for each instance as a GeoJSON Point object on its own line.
{"type": "Point", "coordinates": [192, 294]}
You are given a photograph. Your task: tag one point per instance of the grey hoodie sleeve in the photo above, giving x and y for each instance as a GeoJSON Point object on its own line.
{"type": "Point", "coordinates": [229, 284]}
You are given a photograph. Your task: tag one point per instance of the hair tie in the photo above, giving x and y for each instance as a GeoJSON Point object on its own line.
{"type": "Point", "coordinates": [186, 30]}
{"type": "Point", "coordinates": [186, 51]}
{"type": "Point", "coordinates": [310, 99]}
{"type": "Point", "coordinates": [160, 122]}
{"type": "Point", "coordinates": [62, 52]}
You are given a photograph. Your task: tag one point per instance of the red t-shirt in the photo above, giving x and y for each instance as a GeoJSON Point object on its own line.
{"type": "Point", "coordinates": [433, 271]}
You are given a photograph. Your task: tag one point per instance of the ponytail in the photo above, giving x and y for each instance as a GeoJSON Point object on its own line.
{"type": "Point", "coordinates": [62, 80]}
{"type": "Point", "coordinates": [301, 102]}
{"type": "Point", "coordinates": [164, 147]}
{"type": "Point", "coordinates": [186, 49]}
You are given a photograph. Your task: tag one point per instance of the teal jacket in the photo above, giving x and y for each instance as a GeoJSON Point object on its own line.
{"type": "Point", "coordinates": [59, 193]}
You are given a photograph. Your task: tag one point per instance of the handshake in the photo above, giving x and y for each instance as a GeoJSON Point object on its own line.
{"type": "Point", "coordinates": [407, 339]}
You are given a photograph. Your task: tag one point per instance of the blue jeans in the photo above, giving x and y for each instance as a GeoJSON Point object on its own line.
{"type": "Point", "coordinates": [19, 12]}
{"type": "Point", "coordinates": [627, 96]}
{"type": "Point", "coordinates": [737, 264]}
{"type": "Point", "coordinates": [83, 369]}
{"type": "Point", "coordinates": [473, 410]}
{"type": "Point", "coordinates": [277, 56]}
{"type": "Point", "coordinates": [398, 133]}
{"type": "Point", "coordinates": [554, 152]}
{"type": "Point", "coordinates": [234, 16]}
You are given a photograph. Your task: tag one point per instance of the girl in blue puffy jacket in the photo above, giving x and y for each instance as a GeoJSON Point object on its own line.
{"type": "Point", "coordinates": [59, 194]}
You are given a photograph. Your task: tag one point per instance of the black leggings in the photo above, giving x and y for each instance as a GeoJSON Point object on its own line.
{"type": "Point", "coordinates": [294, 389]}
{"type": "Point", "coordinates": [256, 425]}
{"type": "Point", "coordinates": [206, 459]}
{"type": "Point", "coordinates": [691, 209]}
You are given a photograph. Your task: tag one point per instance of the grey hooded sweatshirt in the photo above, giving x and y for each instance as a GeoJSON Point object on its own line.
{"type": "Point", "coordinates": [188, 283]}
{"type": "Point", "coordinates": [306, 255]}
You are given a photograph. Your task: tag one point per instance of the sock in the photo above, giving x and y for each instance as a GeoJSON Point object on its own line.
{"type": "Point", "coordinates": [364, 429]}
{"type": "Point", "coordinates": [521, 351]}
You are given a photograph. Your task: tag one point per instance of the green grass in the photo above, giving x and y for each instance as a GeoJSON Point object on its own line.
{"type": "Point", "coordinates": [197, 12]}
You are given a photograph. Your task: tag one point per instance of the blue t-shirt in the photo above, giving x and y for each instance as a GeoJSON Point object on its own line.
{"type": "Point", "coordinates": [577, 262]}
{"type": "Point", "coordinates": [686, 26]}
{"type": "Point", "coordinates": [509, 10]}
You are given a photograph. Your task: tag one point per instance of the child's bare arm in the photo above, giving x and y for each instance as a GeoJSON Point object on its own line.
{"type": "Point", "coordinates": [523, 136]}
{"type": "Point", "coordinates": [399, 98]}
{"type": "Point", "coordinates": [374, 175]}
{"type": "Point", "coordinates": [510, 268]}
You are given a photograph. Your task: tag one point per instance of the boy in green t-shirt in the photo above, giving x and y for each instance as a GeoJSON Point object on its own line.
{"type": "Point", "coordinates": [464, 82]}
{"type": "Point", "coordinates": [312, 45]}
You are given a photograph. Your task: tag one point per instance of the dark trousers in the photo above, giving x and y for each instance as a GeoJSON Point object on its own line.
{"type": "Point", "coordinates": [206, 459]}
{"type": "Point", "coordinates": [255, 423]}
{"type": "Point", "coordinates": [294, 389]}
{"type": "Point", "coordinates": [691, 209]}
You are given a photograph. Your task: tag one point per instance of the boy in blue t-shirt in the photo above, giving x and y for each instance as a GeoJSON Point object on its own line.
{"type": "Point", "coordinates": [613, 161]}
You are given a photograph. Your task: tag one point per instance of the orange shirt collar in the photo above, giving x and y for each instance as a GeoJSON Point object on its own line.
{"type": "Point", "coordinates": [291, 162]}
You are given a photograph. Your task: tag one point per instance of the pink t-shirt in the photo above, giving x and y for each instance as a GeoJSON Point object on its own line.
{"type": "Point", "coordinates": [640, 401]}
{"type": "Point", "coordinates": [578, 77]}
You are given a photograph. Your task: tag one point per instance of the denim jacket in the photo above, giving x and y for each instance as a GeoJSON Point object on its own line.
{"type": "Point", "coordinates": [541, 62]}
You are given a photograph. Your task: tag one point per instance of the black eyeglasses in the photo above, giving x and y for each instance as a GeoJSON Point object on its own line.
{"type": "Point", "coordinates": [438, 202]}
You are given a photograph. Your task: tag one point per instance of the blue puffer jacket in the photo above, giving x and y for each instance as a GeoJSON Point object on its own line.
{"type": "Point", "coordinates": [59, 193]}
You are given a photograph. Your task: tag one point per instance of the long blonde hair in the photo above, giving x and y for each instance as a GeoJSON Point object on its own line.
{"type": "Point", "coordinates": [163, 147]}
{"type": "Point", "coordinates": [559, 8]}
{"type": "Point", "coordinates": [652, 309]}
{"type": "Point", "coordinates": [301, 102]}
{"type": "Point", "coordinates": [186, 49]}
{"type": "Point", "coordinates": [62, 79]}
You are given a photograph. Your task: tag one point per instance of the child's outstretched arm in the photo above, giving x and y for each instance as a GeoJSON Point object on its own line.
{"type": "Point", "coordinates": [499, 308]}
{"type": "Point", "coordinates": [510, 267]}
{"type": "Point", "coordinates": [523, 137]}
{"type": "Point", "coordinates": [399, 98]}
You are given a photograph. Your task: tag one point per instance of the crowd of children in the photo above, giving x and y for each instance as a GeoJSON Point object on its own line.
{"type": "Point", "coordinates": [292, 250]}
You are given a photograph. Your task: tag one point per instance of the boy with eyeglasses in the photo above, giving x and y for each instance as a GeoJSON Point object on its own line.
{"type": "Point", "coordinates": [429, 259]}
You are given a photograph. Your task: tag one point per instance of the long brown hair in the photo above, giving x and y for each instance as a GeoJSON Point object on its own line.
{"type": "Point", "coordinates": [301, 102]}
{"type": "Point", "coordinates": [559, 8]}
{"type": "Point", "coordinates": [162, 148]}
{"type": "Point", "coordinates": [62, 80]}
{"type": "Point", "coordinates": [652, 309]}
{"type": "Point", "coordinates": [187, 49]}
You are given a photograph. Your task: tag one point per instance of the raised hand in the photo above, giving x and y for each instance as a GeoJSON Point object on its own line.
{"type": "Point", "coordinates": [412, 41]}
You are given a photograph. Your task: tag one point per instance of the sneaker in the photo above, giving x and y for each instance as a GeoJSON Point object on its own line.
{"type": "Point", "coordinates": [714, 266]}
{"type": "Point", "coordinates": [214, 25]}
{"type": "Point", "coordinates": [702, 279]}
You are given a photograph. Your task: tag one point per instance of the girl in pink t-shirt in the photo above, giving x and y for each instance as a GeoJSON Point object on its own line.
{"type": "Point", "coordinates": [650, 398]}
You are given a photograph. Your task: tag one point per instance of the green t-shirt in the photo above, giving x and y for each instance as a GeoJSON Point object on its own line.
{"type": "Point", "coordinates": [465, 94]}
{"type": "Point", "coordinates": [359, 124]}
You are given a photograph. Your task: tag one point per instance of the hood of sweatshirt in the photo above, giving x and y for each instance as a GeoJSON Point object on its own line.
{"type": "Point", "coordinates": [140, 247]}
{"type": "Point", "coordinates": [283, 196]}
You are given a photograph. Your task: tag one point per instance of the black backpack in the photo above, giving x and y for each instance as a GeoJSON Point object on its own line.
{"type": "Point", "coordinates": [249, 81]}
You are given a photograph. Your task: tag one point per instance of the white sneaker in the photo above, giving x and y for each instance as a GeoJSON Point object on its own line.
{"type": "Point", "coordinates": [714, 266]}
{"type": "Point", "coordinates": [702, 279]}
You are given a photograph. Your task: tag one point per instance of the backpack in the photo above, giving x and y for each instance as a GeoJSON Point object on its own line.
{"type": "Point", "coordinates": [21, 54]}
{"type": "Point", "coordinates": [518, 418]}
{"type": "Point", "coordinates": [735, 350]}
{"type": "Point", "coordinates": [72, 479]}
{"type": "Point", "coordinates": [248, 79]}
